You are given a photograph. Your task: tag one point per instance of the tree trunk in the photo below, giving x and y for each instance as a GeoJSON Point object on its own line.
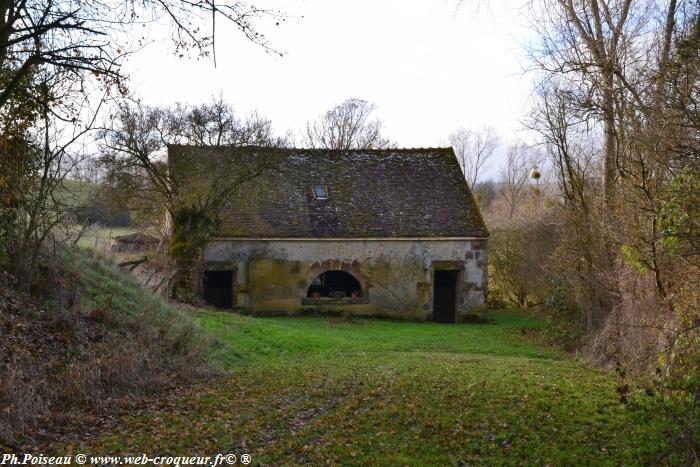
{"type": "Point", "coordinates": [610, 146]}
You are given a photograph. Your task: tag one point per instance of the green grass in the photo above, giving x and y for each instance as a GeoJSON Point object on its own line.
{"type": "Point", "coordinates": [269, 341]}
{"type": "Point", "coordinates": [77, 193]}
{"type": "Point", "coordinates": [324, 391]}
{"type": "Point", "coordinates": [111, 294]}
{"type": "Point", "coordinates": [104, 284]}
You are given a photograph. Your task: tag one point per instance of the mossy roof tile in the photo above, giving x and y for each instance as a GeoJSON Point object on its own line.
{"type": "Point", "coordinates": [371, 193]}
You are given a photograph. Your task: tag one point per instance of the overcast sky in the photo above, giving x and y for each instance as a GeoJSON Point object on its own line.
{"type": "Point", "coordinates": [428, 66]}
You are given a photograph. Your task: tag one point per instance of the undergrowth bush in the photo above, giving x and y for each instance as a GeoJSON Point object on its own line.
{"type": "Point", "coordinates": [565, 325]}
{"type": "Point", "coordinates": [97, 340]}
{"type": "Point", "coordinates": [518, 254]}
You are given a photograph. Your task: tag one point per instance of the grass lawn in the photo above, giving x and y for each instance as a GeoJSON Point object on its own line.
{"type": "Point", "coordinates": [324, 391]}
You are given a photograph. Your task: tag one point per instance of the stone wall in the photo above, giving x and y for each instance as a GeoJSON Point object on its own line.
{"type": "Point", "coordinates": [273, 276]}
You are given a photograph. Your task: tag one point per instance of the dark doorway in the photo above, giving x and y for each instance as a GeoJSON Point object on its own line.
{"type": "Point", "coordinates": [444, 295]}
{"type": "Point", "coordinates": [218, 288]}
{"type": "Point", "coordinates": [335, 284]}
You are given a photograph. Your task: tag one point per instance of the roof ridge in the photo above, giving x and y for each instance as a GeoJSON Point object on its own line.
{"type": "Point", "coordinates": [253, 146]}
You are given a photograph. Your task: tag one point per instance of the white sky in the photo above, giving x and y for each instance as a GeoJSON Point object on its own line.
{"type": "Point", "coordinates": [428, 66]}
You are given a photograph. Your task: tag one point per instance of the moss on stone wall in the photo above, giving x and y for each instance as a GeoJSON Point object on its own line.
{"type": "Point", "coordinates": [396, 278]}
{"type": "Point", "coordinates": [191, 230]}
{"type": "Point", "coordinates": [394, 287]}
{"type": "Point", "coordinates": [271, 280]}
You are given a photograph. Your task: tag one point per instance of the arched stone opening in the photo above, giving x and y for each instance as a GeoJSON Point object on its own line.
{"type": "Point", "coordinates": [335, 284]}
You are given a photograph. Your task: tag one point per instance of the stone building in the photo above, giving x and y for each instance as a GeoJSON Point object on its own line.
{"type": "Point", "coordinates": [135, 243]}
{"type": "Point", "coordinates": [392, 232]}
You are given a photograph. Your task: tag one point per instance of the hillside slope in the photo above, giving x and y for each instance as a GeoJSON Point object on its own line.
{"type": "Point", "coordinates": [95, 338]}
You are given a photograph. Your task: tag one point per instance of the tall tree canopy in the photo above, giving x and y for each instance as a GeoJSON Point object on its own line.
{"type": "Point", "coordinates": [347, 126]}
{"type": "Point", "coordinates": [60, 62]}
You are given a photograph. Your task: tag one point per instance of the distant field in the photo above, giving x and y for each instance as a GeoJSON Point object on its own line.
{"type": "Point", "coordinates": [325, 391]}
{"type": "Point", "coordinates": [77, 193]}
{"type": "Point", "coordinates": [100, 238]}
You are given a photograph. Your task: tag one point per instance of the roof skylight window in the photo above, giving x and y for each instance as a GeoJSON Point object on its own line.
{"type": "Point", "coordinates": [320, 192]}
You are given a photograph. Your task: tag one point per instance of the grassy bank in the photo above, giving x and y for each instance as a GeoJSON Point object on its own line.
{"type": "Point", "coordinates": [92, 343]}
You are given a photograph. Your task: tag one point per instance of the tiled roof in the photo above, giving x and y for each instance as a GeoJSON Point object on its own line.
{"type": "Point", "coordinates": [371, 193]}
{"type": "Point", "coordinates": [136, 237]}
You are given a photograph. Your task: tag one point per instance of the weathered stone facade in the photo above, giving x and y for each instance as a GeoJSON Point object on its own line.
{"type": "Point", "coordinates": [396, 276]}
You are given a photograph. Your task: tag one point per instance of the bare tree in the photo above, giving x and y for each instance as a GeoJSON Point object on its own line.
{"type": "Point", "coordinates": [80, 35]}
{"type": "Point", "coordinates": [134, 152]}
{"type": "Point", "coordinates": [473, 149]}
{"type": "Point", "coordinates": [521, 160]}
{"type": "Point", "coordinates": [347, 126]}
{"type": "Point", "coordinates": [59, 61]}
{"type": "Point", "coordinates": [485, 192]}
{"type": "Point", "coordinates": [599, 46]}
{"type": "Point", "coordinates": [134, 140]}
{"type": "Point", "coordinates": [217, 124]}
